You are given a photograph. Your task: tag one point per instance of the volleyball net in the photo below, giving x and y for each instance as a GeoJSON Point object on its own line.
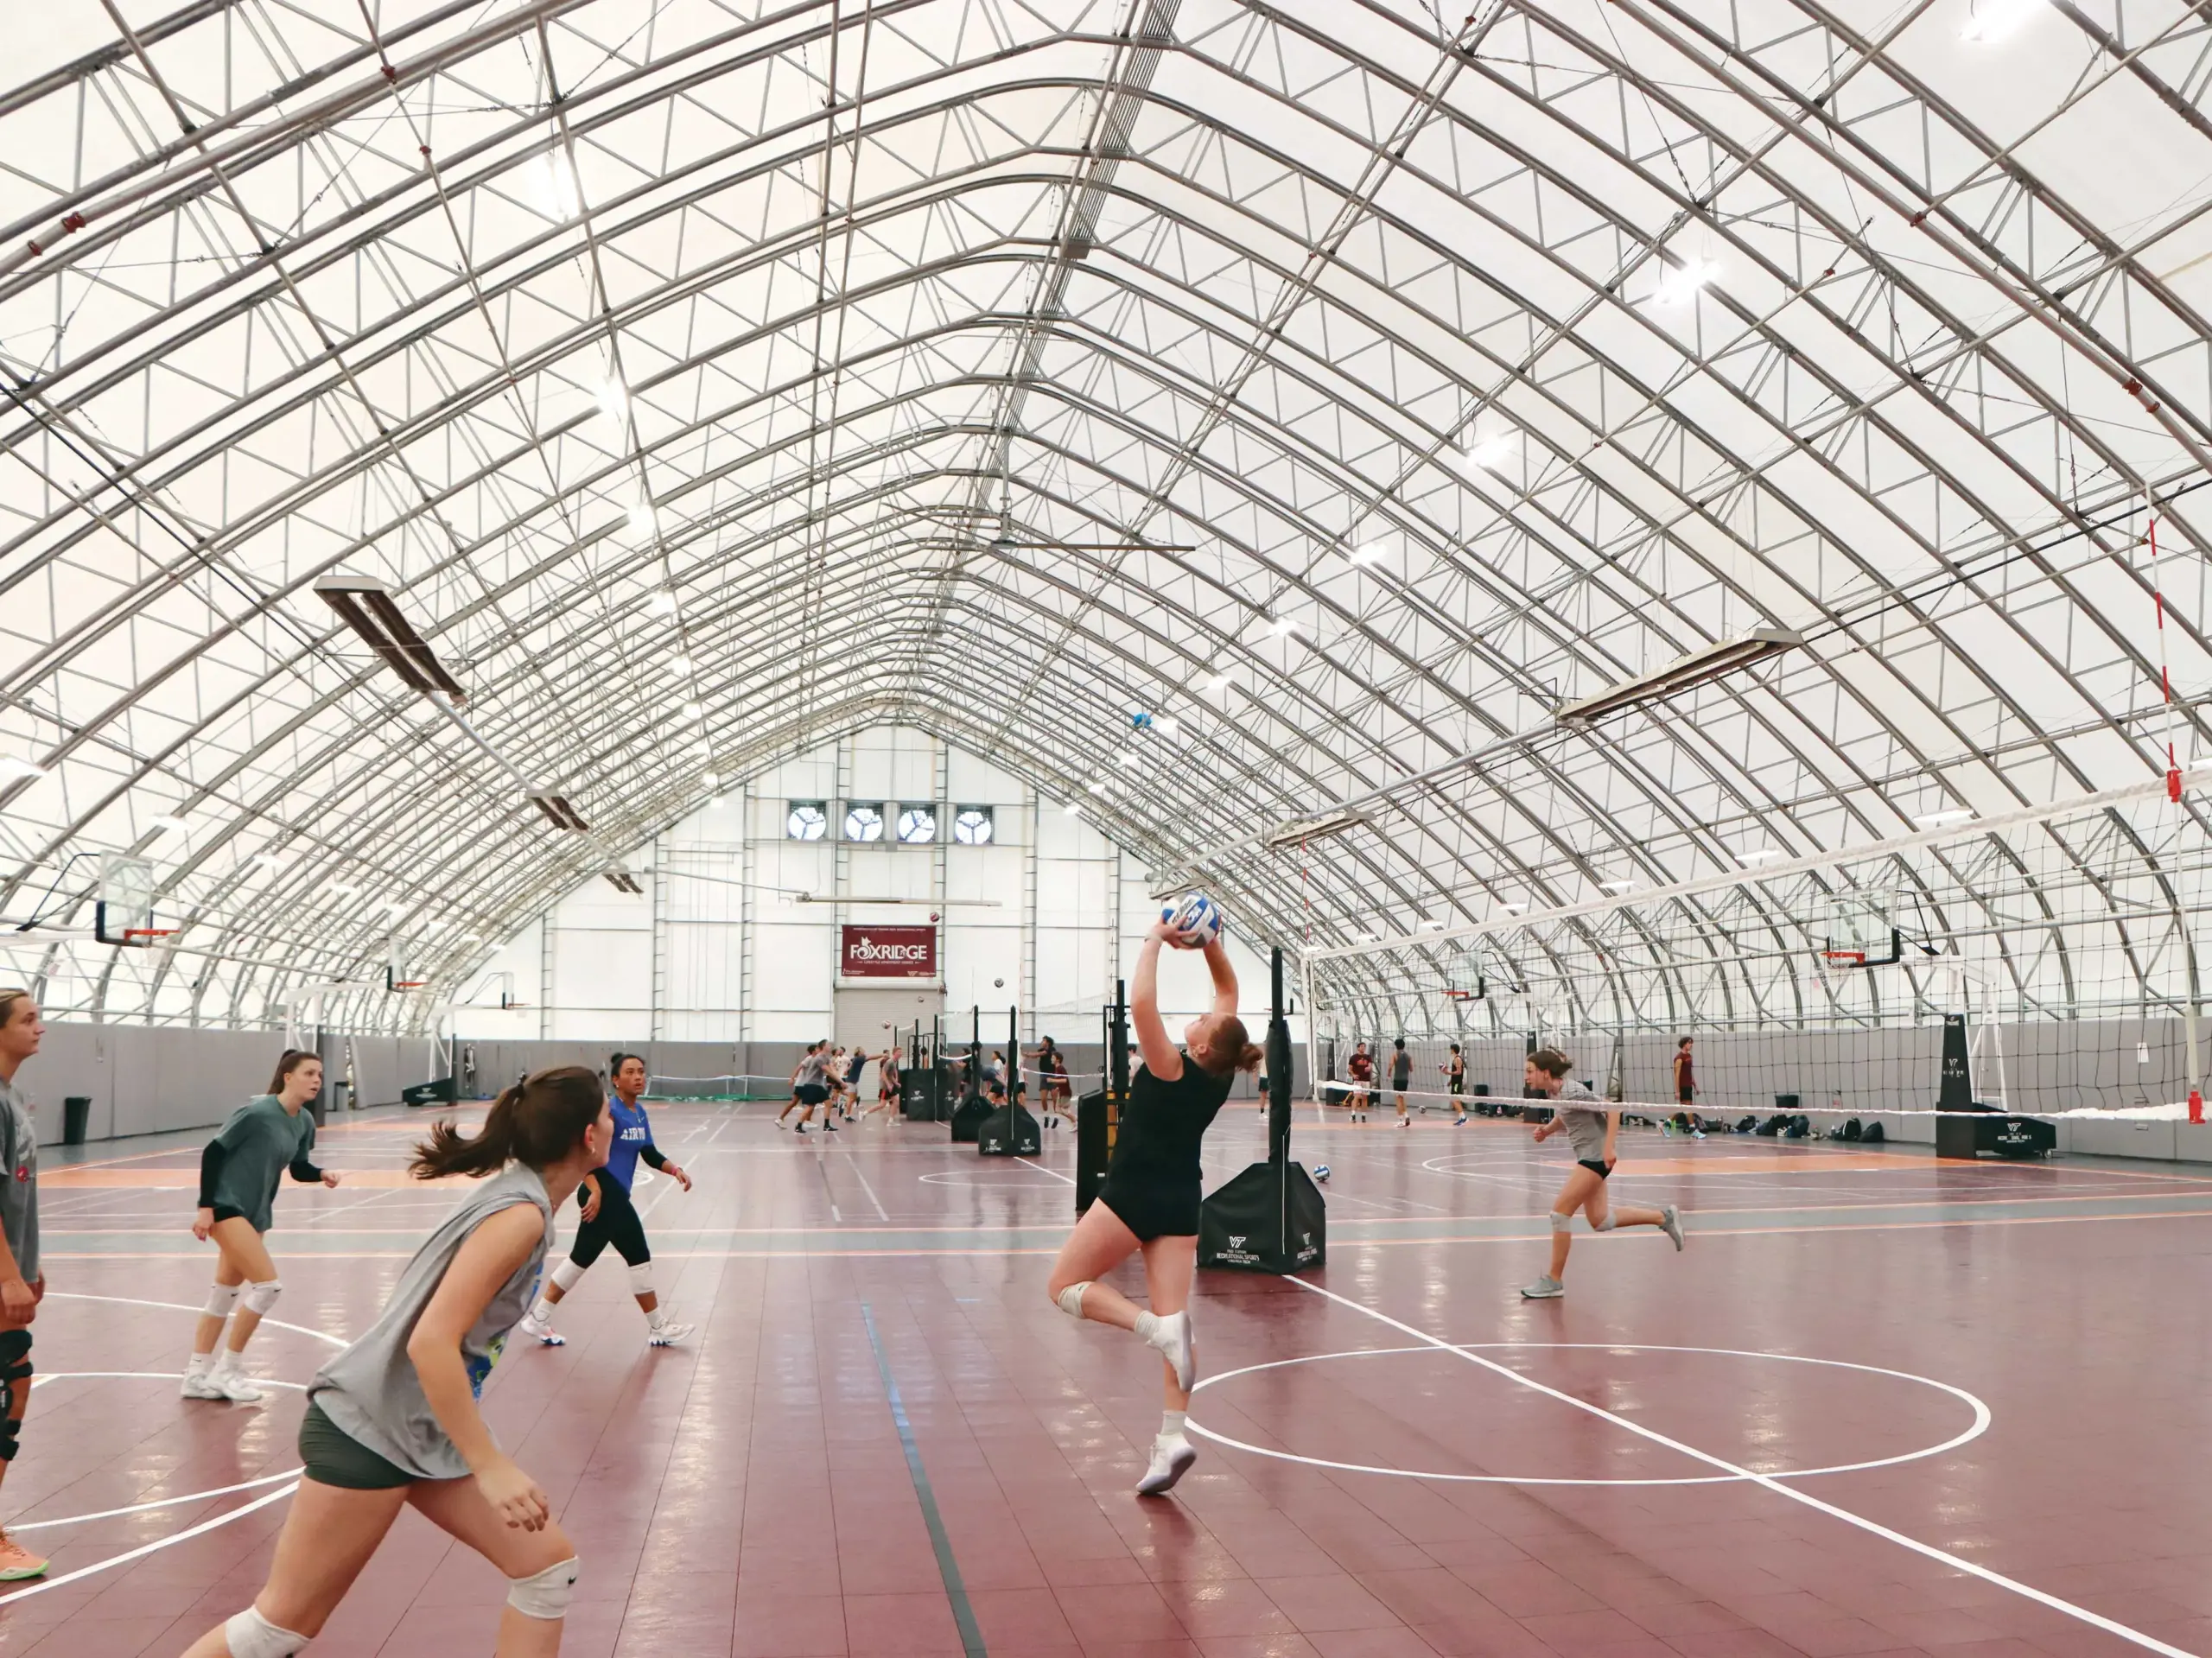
{"type": "Point", "coordinates": [2059, 944]}
{"type": "Point", "coordinates": [736, 1086]}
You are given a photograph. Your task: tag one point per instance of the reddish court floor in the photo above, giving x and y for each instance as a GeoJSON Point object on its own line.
{"type": "Point", "coordinates": [2002, 1363]}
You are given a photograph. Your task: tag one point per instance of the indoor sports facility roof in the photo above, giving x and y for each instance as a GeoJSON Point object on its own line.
{"type": "Point", "coordinates": [1386, 399]}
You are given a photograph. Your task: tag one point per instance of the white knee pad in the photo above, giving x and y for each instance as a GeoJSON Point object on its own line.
{"type": "Point", "coordinates": [548, 1594]}
{"type": "Point", "coordinates": [1561, 1223]}
{"type": "Point", "coordinates": [1070, 1299]}
{"type": "Point", "coordinates": [259, 1298]}
{"type": "Point", "coordinates": [1604, 1225]}
{"type": "Point", "coordinates": [251, 1635]}
{"type": "Point", "coordinates": [219, 1300]}
{"type": "Point", "coordinates": [567, 1275]}
{"type": "Point", "coordinates": [641, 1279]}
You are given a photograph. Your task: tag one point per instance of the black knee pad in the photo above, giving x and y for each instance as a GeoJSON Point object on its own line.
{"type": "Point", "coordinates": [15, 1369]}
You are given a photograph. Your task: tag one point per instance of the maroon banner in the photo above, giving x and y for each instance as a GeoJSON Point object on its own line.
{"type": "Point", "coordinates": [888, 953]}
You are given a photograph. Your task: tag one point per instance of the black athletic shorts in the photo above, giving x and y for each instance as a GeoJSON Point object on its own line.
{"type": "Point", "coordinates": [224, 1212]}
{"type": "Point", "coordinates": [1459, 1084]}
{"type": "Point", "coordinates": [332, 1457]}
{"type": "Point", "coordinates": [809, 1093]}
{"type": "Point", "coordinates": [1595, 1165]}
{"type": "Point", "coordinates": [1685, 1094]}
{"type": "Point", "coordinates": [617, 1224]}
{"type": "Point", "coordinates": [1151, 1210]}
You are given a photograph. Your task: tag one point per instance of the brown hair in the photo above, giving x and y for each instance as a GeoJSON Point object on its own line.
{"type": "Point", "coordinates": [537, 1121]}
{"type": "Point", "coordinates": [1229, 1049]}
{"type": "Point", "coordinates": [1551, 1062]}
{"type": "Point", "coordinates": [8, 999]}
{"type": "Point", "coordinates": [292, 1059]}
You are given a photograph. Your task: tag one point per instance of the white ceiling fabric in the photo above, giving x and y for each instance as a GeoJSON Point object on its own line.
{"type": "Point", "coordinates": [1482, 362]}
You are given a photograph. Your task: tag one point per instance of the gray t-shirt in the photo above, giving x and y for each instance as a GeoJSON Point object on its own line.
{"type": "Point", "coordinates": [19, 1178]}
{"type": "Point", "coordinates": [260, 1141]}
{"type": "Point", "coordinates": [372, 1392]}
{"type": "Point", "coordinates": [814, 1071]}
{"type": "Point", "coordinates": [1585, 1129]}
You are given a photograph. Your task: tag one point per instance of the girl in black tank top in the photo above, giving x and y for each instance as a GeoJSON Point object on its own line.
{"type": "Point", "coordinates": [1149, 1202]}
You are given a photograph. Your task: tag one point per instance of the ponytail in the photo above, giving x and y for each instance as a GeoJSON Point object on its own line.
{"type": "Point", "coordinates": [1229, 1049]}
{"type": "Point", "coordinates": [537, 1121]}
{"type": "Point", "coordinates": [1551, 1062]}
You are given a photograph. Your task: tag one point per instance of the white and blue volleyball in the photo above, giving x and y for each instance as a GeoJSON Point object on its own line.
{"type": "Point", "coordinates": [1194, 918]}
{"type": "Point", "coordinates": [1321, 1172]}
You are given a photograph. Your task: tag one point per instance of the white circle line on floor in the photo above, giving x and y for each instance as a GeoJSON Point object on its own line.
{"type": "Point", "coordinates": [179, 1306]}
{"type": "Point", "coordinates": [160, 1503]}
{"type": "Point", "coordinates": [1979, 1425]}
{"type": "Point", "coordinates": [997, 1185]}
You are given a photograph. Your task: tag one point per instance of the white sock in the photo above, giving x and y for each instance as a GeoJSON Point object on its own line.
{"type": "Point", "coordinates": [542, 1312]}
{"type": "Point", "coordinates": [1148, 1327]}
{"type": "Point", "coordinates": [1170, 1424]}
{"type": "Point", "coordinates": [198, 1364]}
{"type": "Point", "coordinates": [656, 1317]}
{"type": "Point", "coordinates": [227, 1362]}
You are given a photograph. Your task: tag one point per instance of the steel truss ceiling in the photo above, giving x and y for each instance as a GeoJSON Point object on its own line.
{"type": "Point", "coordinates": [1486, 362]}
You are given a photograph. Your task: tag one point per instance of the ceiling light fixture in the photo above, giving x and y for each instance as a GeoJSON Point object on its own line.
{"type": "Point", "coordinates": [644, 521]}
{"type": "Point", "coordinates": [1367, 552]}
{"type": "Point", "coordinates": [1956, 815]}
{"type": "Point", "coordinates": [1073, 809]}
{"type": "Point", "coordinates": [366, 606]}
{"type": "Point", "coordinates": [693, 710]}
{"type": "Point", "coordinates": [1488, 453]}
{"type": "Point", "coordinates": [1989, 22]}
{"type": "Point", "coordinates": [166, 824]}
{"type": "Point", "coordinates": [680, 665]}
{"type": "Point", "coordinates": [1298, 830]}
{"type": "Point", "coordinates": [1699, 667]}
{"type": "Point", "coordinates": [1679, 284]}
{"type": "Point", "coordinates": [1615, 886]}
{"type": "Point", "coordinates": [660, 602]}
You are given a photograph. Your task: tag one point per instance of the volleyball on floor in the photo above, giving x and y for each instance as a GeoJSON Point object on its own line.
{"type": "Point", "coordinates": [1194, 918]}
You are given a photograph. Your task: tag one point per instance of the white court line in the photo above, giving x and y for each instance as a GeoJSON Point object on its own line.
{"type": "Point", "coordinates": [1768, 1482]}
{"type": "Point", "coordinates": [144, 1549]}
{"type": "Point", "coordinates": [179, 1306]}
{"type": "Point", "coordinates": [881, 1212]}
{"type": "Point", "coordinates": [1041, 1169]}
{"type": "Point", "coordinates": [158, 1502]}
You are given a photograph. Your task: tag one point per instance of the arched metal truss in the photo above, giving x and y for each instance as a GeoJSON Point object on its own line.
{"type": "Point", "coordinates": [1485, 364]}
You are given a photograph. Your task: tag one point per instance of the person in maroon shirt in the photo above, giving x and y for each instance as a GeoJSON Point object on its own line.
{"type": "Point", "coordinates": [1360, 1069]}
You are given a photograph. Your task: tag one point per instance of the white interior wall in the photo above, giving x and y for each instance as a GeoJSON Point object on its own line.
{"type": "Point", "coordinates": [718, 948]}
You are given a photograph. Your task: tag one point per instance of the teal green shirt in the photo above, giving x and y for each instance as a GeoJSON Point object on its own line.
{"type": "Point", "coordinates": [249, 1158]}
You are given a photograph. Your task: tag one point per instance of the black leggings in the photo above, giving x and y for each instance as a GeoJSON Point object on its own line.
{"type": "Point", "coordinates": [617, 1224]}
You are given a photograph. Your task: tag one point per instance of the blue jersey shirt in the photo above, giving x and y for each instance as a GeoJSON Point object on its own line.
{"type": "Point", "coordinates": [633, 1134]}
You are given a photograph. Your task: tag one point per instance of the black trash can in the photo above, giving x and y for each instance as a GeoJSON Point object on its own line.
{"type": "Point", "coordinates": [76, 1119]}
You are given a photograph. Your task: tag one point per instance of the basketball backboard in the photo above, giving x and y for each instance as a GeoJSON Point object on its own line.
{"type": "Point", "coordinates": [123, 914]}
{"type": "Point", "coordinates": [1862, 928]}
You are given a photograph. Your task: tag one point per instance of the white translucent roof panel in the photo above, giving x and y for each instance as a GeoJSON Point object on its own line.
{"type": "Point", "coordinates": [1350, 383]}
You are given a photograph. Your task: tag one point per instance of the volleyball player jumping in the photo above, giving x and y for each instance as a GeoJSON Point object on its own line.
{"type": "Point", "coordinates": [239, 1172]}
{"type": "Point", "coordinates": [1149, 1201]}
{"type": "Point", "coordinates": [611, 1217]}
{"type": "Point", "coordinates": [395, 1419]}
{"type": "Point", "coordinates": [1593, 1129]}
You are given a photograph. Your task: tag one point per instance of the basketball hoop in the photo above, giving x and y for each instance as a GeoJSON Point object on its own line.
{"type": "Point", "coordinates": [1844, 958]}
{"type": "Point", "coordinates": [146, 937]}
{"type": "Point", "coordinates": [1459, 995]}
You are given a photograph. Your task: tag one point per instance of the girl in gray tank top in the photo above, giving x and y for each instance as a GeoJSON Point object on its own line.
{"type": "Point", "coordinates": [1593, 1128]}
{"type": "Point", "coordinates": [395, 1419]}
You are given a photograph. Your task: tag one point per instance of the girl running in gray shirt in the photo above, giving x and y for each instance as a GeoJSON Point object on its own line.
{"type": "Point", "coordinates": [240, 1172]}
{"type": "Point", "coordinates": [394, 1419]}
{"type": "Point", "coordinates": [1593, 1129]}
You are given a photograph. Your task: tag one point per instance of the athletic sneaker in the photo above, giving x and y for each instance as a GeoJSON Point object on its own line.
{"type": "Point", "coordinates": [1666, 1128]}
{"type": "Point", "coordinates": [1458, 1120]}
{"type": "Point", "coordinates": [236, 1386]}
{"type": "Point", "coordinates": [1405, 1123]}
{"type": "Point", "coordinates": [1697, 1134]}
{"type": "Point", "coordinates": [1672, 1224]}
{"type": "Point", "coordinates": [1546, 1288]}
{"type": "Point", "coordinates": [668, 1335]}
{"type": "Point", "coordinates": [19, 1565]}
{"type": "Point", "coordinates": [197, 1385]}
{"type": "Point", "coordinates": [828, 1127]}
{"type": "Point", "coordinates": [800, 1129]}
{"type": "Point", "coordinates": [541, 1330]}
{"type": "Point", "coordinates": [1171, 1337]}
{"type": "Point", "coordinates": [1171, 1455]}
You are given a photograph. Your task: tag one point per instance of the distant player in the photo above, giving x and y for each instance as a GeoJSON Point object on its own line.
{"type": "Point", "coordinates": [609, 1217]}
{"type": "Point", "coordinates": [1401, 1078]}
{"type": "Point", "coordinates": [1360, 1069]}
{"type": "Point", "coordinates": [1455, 1078]}
{"type": "Point", "coordinates": [240, 1172]}
{"type": "Point", "coordinates": [1593, 1129]}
